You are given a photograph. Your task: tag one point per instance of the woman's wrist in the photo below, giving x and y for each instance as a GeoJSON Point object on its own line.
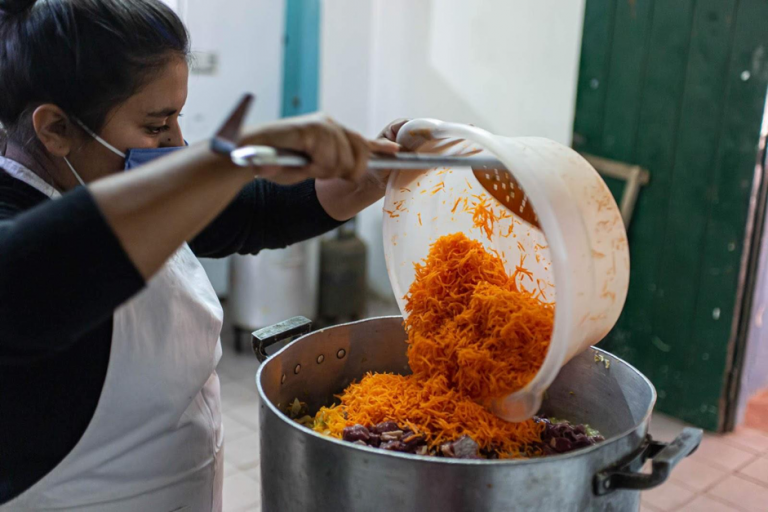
{"type": "Point", "coordinates": [342, 199]}
{"type": "Point", "coordinates": [209, 159]}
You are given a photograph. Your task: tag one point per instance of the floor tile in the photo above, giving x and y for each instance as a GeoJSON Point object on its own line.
{"type": "Point", "coordinates": [647, 508]}
{"type": "Point", "coordinates": [254, 472]}
{"type": "Point", "coordinates": [241, 493]}
{"type": "Point", "coordinates": [234, 429]}
{"type": "Point", "coordinates": [717, 452]}
{"type": "Point", "coordinates": [667, 497]}
{"type": "Point", "coordinates": [707, 504]}
{"type": "Point", "coordinates": [697, 474]}
{"type": "Point", "coordinates": [244, 452]}
{"type": "Point", "coordinates": [756, 415]}
{"type": "Point", "coordinates": [236, 367]}
{"type": "Point", "coordinates": [741, 493]}
{"type": "Point", "coordinates": [236, 393]}
{"type": "Point", "coordinates": [230, 469]}
{"type": "Point", "coordinates": [247, 414]}
{"type": "Point", "coordinates": [758, 470]}
{"type": "Point", "coordinates": [665, 428]}
{"type": "Point", "coordinates": [223, 377]}
{"type": "Point", "coordinates": [748, 439]}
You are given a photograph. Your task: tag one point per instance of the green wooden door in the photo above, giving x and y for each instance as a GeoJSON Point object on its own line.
{"type": "Point", "coordinates": [679, 87]}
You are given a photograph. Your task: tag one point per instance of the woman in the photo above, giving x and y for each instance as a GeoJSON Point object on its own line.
{"type": "Point", "coordinates": [109, 398]}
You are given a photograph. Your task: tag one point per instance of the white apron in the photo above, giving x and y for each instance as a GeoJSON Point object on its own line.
{"type": "Point", "coordinates": [155, 442]}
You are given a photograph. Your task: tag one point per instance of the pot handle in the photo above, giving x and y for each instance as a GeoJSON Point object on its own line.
{"type": "Point", "coordinates": [276, 333]}
{"type": "Point", "coordinates": [665, 456]}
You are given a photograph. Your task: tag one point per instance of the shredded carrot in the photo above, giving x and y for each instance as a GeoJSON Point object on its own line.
{"type": "Point", "coordinates": [468, 321]}
{"type": "Point", "coordinates": [483, 216]}
{"type": "Point", "coordinates": [437, 188]}
{"type": "Point", "coordinates": [429, 407]}
{"type": "Point", "coordinates": [472, 335]}
{"type": "Point", "coordinates": [419, 216]}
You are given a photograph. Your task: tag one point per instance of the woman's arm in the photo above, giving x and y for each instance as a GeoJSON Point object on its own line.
{"type": "Point", "coordinates": [343, 199]}
{"type": "Point", "coordinates": [62, 271]}
{"type": "Point", "coordinates": [156, 208]}
{"type": "Point", "coordinates": [265, 215]}
{"type": "Point", "coordinates": [65, 265]}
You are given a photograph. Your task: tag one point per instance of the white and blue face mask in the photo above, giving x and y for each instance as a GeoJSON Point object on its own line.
{"type": "Point", "coordinates": [134, 157]}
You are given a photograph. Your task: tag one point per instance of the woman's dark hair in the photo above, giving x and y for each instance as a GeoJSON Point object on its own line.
{"type": "Point", "coordinates": [85, 56]}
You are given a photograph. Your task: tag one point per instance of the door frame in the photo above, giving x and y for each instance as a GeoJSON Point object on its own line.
{"type": "Point", "coordinates": [748, 275]}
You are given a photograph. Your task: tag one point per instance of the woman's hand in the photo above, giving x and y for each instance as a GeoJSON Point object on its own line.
{"type": "Point", "coordinates": [334, 151]}
{"type": "Point", "coordinates": [380, 177]}
{"type": "Point", "coordinates": [342, 199]}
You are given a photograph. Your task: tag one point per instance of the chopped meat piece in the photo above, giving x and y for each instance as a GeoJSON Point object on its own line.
{"type": "Point", "coordinates": [466, 448]}
{"type": "Point", "coordinates": [462, 448]}
{"type": "Point", "coordinates": [395, 446]}
{"type": "Point", "coordinates": [392, 435]}
{"type": "Point", "coordinates": [356, 433]}
{"type": "Point", "coordinates": [387, 426]}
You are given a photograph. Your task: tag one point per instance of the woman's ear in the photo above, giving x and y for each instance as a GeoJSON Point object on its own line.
{"type": "Point", "coordinates": [53, 129]}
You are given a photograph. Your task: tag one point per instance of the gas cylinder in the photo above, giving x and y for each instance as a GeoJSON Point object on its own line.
{"type": "Point", "coordinates": [342, 290]}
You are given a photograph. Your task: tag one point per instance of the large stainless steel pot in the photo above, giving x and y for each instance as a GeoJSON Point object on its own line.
{"type": "Point", "coordinates": [302, 470]}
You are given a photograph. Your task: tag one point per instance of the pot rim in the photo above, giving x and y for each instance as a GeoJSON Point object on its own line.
{"type": "Point", "coordinates": [443, 460]}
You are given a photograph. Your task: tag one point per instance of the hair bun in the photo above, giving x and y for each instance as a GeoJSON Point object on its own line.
{"type": "Point", "coordinates": [14, 7]}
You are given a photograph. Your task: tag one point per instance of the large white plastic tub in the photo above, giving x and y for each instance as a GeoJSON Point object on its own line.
{"type": "Point", "coordinates": [579, 259]}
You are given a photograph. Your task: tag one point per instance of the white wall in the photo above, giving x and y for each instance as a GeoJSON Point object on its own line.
{"type": "Point", "coordinates": [246, 38]}
{"type": "Point", "coordinates": [345, 54]}
{"type": "Point", "coordinates": [509, 66]}
{"type": "Point", "coordinates": [248, 44]}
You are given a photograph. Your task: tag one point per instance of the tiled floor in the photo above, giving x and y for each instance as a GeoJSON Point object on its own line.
{"type": "Point", "coordinates": [757, 411]}
{"type": "Point", "coordinates": [727, 473]}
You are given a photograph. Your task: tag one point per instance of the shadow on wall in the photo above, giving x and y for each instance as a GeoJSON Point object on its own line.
{"type": "Point", "coordinates": [432, 95]}
{"type": "Point", "coordinates": [508, 66]}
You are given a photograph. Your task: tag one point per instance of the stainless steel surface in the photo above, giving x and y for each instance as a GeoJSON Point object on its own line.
{"type": "Point", "coordinates": [490, 172]}
{"type": "Point", "coordinates": [264, 338]}
{"type": "Point", "coordinates": [303, 470]}
{"type": "Point", "coordinates": [247, 156]}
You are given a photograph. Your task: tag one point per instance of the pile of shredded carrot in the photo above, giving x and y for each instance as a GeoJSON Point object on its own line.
{"type": "Point", "coordinates": [430, 407]}
{"type": "Point", "coordinates": [472, 335]}
{"type": "Point", "coordinates": [468, 322]}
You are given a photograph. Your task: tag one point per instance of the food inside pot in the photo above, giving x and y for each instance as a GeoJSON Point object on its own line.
{"type": "Point", "coordinates": [474, 333]}
{"type": "Point", "coordinates": [556, 437]}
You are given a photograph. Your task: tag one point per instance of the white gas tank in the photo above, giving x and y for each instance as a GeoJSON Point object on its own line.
{"type": "Point", "coordinates": [274, 285]}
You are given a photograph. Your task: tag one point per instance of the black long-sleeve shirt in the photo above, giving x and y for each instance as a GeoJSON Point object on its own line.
{"type": "Point", "coordinates": [62, 275]}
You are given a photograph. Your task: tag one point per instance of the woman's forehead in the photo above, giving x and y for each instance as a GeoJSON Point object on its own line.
{"type": "Point", "coordinates": [165, 93]}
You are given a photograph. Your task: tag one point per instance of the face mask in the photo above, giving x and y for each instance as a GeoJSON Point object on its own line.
{"type": "Point", "coordinates": [133, 157]}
